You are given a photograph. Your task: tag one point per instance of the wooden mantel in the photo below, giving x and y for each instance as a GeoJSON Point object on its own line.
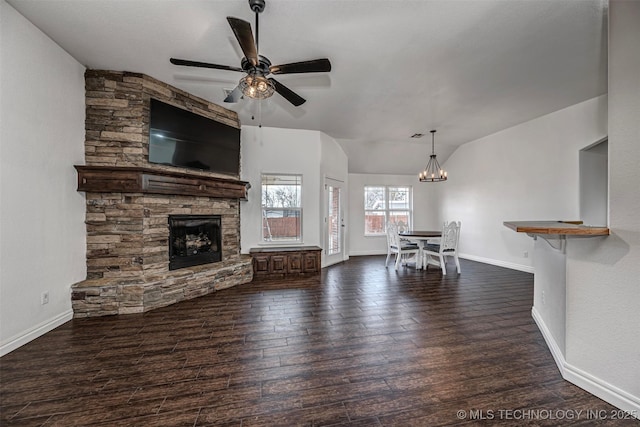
{"type": "Point", "coordinates": [124, 179]}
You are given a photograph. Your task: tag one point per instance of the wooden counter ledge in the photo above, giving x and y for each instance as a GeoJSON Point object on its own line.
{"type": "Point", "coordinates": [568, 228]}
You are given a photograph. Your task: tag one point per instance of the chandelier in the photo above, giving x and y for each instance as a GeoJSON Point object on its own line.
{"type": "Point", "coordinates": [433, 172]}
{"type": "Point", "coordinates": [256, 86]}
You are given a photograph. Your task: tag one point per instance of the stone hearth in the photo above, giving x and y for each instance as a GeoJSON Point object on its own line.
{"type": "Point", "coordinates": [127, 226]}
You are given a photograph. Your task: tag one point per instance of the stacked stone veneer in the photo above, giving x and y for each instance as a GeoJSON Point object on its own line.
{"type": "Point", "coordinates": [128, 233]}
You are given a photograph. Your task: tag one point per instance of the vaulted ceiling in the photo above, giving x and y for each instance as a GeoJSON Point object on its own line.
{"type": "Point", "coordinates": [468, 68]}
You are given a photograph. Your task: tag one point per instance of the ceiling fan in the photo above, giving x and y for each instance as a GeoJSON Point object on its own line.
{"type": "Point", "coordinates": [256, 84]}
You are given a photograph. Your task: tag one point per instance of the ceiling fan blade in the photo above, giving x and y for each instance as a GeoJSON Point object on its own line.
{"type": "Point", "coordinates": [244, 35]}
{"type": "Point", "coordinates": [313, 66]}
{"type": "Point", "coordinates": [288, 94]}
{"type": "Point", "coordinates": [234, 95]}
{"type": "Point", "coordinates": [188, 63]}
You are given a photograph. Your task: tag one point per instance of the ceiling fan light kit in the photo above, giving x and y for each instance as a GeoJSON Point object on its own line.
{"type": "Point", "coordinates": [256, 84]}
{"type": "Point", "coordinates": [432, 172]}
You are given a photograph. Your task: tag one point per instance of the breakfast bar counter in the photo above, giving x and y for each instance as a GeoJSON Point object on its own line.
{"type": "Point", "coordinates": [561, 228]}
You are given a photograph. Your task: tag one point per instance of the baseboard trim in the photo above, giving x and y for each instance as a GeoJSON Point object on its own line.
{"type": "Point", "coordinates": [602, 389]}
{"type": "Point", "coordinates": [599, 388]}
{"type": "Point", "coordinates": [35, 332]}
{"type": "Point", "coordinates": [554, 348]}
{"type": "Point", "coordinates": [510, 265]}
{"type": "Point", "coordinates": [367, 252]}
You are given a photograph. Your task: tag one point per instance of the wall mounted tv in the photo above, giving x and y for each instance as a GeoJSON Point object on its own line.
{"type": "Point", "coordinates": [181, 138]}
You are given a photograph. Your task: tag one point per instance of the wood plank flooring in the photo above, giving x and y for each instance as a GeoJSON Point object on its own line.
{"type": "Point", "coordinates": [360, 345]}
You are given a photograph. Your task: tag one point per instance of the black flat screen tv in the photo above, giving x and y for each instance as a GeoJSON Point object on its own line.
{"type": "Point", "coordinates": [181, 138]}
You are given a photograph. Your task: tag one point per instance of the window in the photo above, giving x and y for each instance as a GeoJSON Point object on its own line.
{"type": "Point", "coordinates": [281, 208]}
{"type": "Point", "coordinates": [386, 203]}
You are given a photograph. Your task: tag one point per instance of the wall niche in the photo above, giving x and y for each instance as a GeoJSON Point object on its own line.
{"type": "Point", "coordinates": [594, 183]}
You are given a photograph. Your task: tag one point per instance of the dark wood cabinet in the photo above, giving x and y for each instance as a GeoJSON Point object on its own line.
{"type": "Point", "coordinates": [280, 262]}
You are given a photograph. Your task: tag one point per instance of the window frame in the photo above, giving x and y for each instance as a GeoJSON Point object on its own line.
{"type": "Point", "coordinates": [387, 210]}
{"type": "Point", "coordinates": [263, 208]}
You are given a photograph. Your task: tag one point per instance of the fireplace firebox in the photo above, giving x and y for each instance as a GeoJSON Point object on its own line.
{"type": "Point", "coordinates": [194, 240]}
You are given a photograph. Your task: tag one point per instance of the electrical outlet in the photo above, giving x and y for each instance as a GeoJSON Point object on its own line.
{"type": "Point", "coordinates": [44, 298]}
{"type": "Point", "coordinates": [525, 254]}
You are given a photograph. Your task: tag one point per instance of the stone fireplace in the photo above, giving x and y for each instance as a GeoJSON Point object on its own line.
{"type": "Point", "coordinates": [136, 260]}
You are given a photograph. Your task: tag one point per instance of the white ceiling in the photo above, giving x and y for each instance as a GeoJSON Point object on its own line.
{"type": "Point", "coordinates": [466, 68]}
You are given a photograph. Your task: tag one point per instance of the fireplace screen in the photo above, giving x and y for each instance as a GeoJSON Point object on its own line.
{"type": "Point", "coordinates": [194, 240]}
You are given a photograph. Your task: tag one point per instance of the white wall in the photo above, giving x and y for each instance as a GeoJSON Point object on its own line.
{"type": "Point", "coordinates": [550, 295]}
{"type": "Point", "coordinates": [603, 275]}
{"type": "Point", "coordinates": [527, 172]}
{"type": "Point", "coordinates": [312, 154]}
{"type": "Point", "coordinates": [333, 162]}
{"type": "Point", "coordinates": [42, 227]}
{"type": "Point", "coordinates": [424, 210]}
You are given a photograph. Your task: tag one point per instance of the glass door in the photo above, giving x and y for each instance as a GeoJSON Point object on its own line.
{"type": "Point", "coordinates": [334, 222]}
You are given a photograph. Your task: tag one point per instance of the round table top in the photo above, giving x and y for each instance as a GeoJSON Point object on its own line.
{"type": "Point", "coordinates": [421, 233]}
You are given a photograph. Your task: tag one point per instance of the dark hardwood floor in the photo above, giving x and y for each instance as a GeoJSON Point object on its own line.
{"type": "Point", "coordinates": [360, 345]}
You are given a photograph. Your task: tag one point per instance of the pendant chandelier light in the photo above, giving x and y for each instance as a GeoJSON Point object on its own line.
{"type": "Point", "coordinates": [433, 172]}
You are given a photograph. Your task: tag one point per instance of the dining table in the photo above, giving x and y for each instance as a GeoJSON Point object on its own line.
{"type": "Point", "coordinates": [421, 237]}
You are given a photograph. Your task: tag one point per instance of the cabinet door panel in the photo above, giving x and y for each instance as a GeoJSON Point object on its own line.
{"type": "Point", "coordinates": [310, 262]}
{"type": "Point", "coordinates": [278, 264]}
{"type": "Point", "coordinates": [260, 264]}
{"type": "Point", "coordinates": [295, 263]}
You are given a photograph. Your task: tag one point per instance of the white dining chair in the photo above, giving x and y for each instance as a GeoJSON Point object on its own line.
{"type": "Point", "coordinates": [399, 247]}
{"type": "Point", "coordinates": [436, 254]}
